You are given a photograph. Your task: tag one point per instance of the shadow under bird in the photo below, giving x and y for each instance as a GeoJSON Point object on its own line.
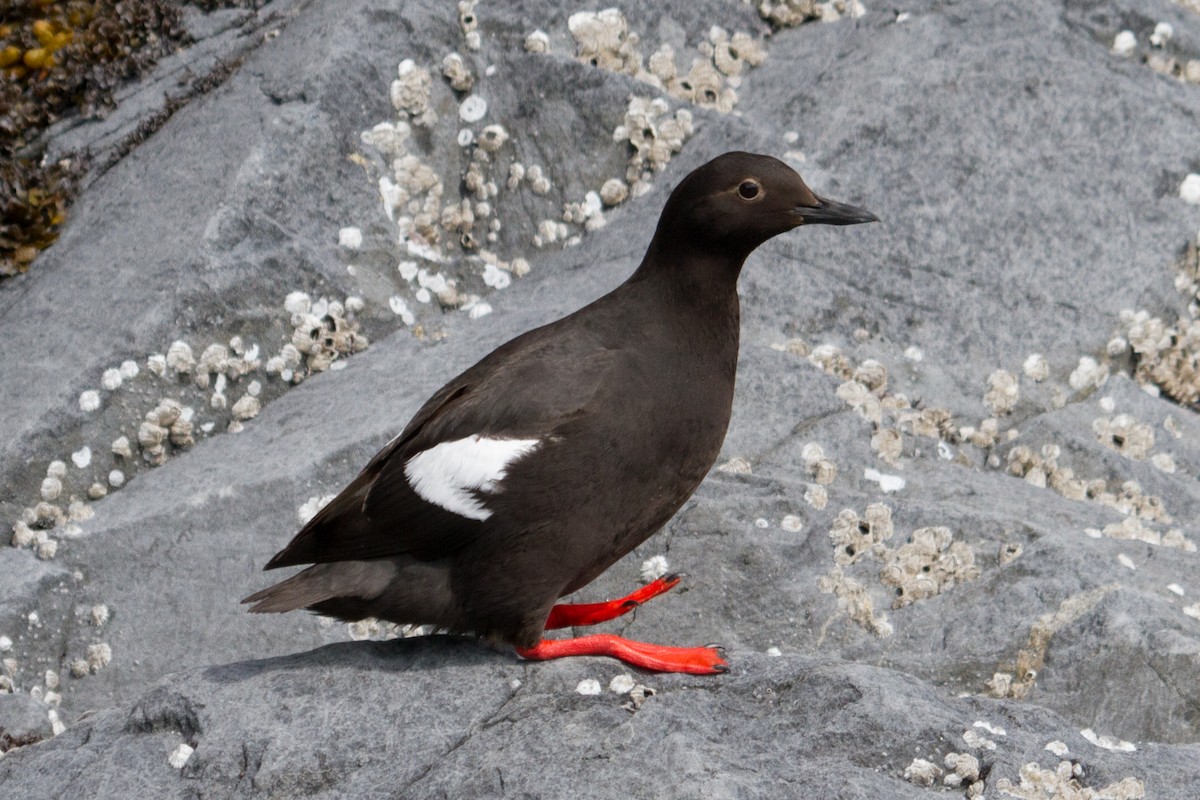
{"type": "Point", "coordinates": [528, 475]}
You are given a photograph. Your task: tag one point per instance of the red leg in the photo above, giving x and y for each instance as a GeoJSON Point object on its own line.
{"type": "Point", "coordinates": [566, 615]}
{"type": "Point", "coordinates": [661, 658]}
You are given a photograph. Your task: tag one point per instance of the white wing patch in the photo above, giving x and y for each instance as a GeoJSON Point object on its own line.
{"type": "Point", "coordinates": [449, 473]}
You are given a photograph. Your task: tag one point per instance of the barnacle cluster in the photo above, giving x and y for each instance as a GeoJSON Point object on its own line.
{"type": "Point", "coordinates": [1002, 393]}
{"type": "Point", "coordinates": [323, 338]}
{"type": "Point", "coordinates": [57, 58]}
{"type": "Point", "coordinates": [1167, 354]}
{"type": "Point", "coordinates": [1041, 468]}
{"type": "Point", "coordinates": [789, 13]}
{"type": "Point", "coordinates": [323, 332]}
{"type": "Point", "coordinates": [604, 40]}
{"type": "Point", "coordinates": [818, 467]}
{"type": "Point", "coordinates": [963, 768]}
{"type": "Point", "coordinates": [1125, 434]}
{"type": "Point", "coordinates": [1132, 527]}
{"type": "Point", "coordinates": [414, 195]}
{"type": "Point", "coordinates": [922, 772]}
{"type": "Point", "coordinates": [855, 537]}
{"type": "Point", "coordinates": [711, 81]}
{"type": "Point", "coordinates": [1158, 55]}
{"type": "Point", "coordinates": [167, 423]}
{"type": "Point", "coordinates": [864, 388]}
{"type": "Point", "coordinates": [930, 562]}
{"type": "Point", "coordinates": [655, 134]}
{"type": "Point", "coordinates": [1066, 780]}
{"type": "Point", "coordinates": [854, 599]}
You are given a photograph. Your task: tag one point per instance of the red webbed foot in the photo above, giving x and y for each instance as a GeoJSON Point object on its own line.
{"type": "Point", "coordinates": [567, 615]}
{"type": "Point", "coordinates": [660, 658]}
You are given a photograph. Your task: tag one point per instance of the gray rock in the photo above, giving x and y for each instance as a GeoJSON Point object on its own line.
{"type": "Point", "coordinates": [1027, 181]}
{"type": "Point", "coordinates": [461, 722]}
{"type": "Point", "coordinates": [23, 721]}
{"type": "Point", "coordinates": [25, 578]}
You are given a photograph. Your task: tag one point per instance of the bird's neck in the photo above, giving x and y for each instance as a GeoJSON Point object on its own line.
{"type": "Point", "coordinates": [693, 295]}
{"type": "Point", "coordinates": [688, 275]}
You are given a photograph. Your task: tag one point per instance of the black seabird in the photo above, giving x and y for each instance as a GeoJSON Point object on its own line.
{"type": "Point", "coordinates": [528, 475]}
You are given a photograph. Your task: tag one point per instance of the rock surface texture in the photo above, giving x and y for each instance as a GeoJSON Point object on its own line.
{"type": "Point", "coordinates": [951, 541]}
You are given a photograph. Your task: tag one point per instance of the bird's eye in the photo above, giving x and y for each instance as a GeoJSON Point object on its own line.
{"type": "Point", "coordinates": [748, 190]}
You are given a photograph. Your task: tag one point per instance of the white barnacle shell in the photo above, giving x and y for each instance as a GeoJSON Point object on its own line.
{"type": "Point", "coordinates": [477, 308]}
{"type": "Point", "coordinates": [614, 192]}
{"type": "Point", "coordinates": [1036, 367]}
{"type": "Point", "coordinates": [247, 407]}
{"type": "Point", "coordinates": [456, 71]}
{"type": "Point", "coordinates": [120, 447]}
{"type": "Point", "coordinates": [1002, 393]}
{"type": "Point", "coordinates": [492, 138]}
{"type": "Point", "coordinates": [400, 308]}
{"type": "Point", "coordinates": [654, 567]}
{"type": "Point", "coordinates": [621, 684]}
{"type": "Point", "coordinates": [98, 615]}
{"type": "Point", "coordinates": [98, 656]}
{"type": "Point", "coordinates": [180, 357]}
{"type": "Point", "coordinates": [180, 755]}
{"type": "Point", "coordinates": [1124, 44]}
{"type": "Point", "coordinates": [538, 182]}
{"type": "Point", "coordinates": [51, 489]}
{"type": "Point", "coordinates": [89, 400]}
{"type": "Point", "coordinates": [1189, 190]}
{"type": "Point", "coordinates": [472, 109]}
{"type": "Point", "coordinates": [410, 91]}
{"type": "Point", "coordinates": [537, 42]}
{"type": "Point", "coordinates": [297, 303]}
{"type": "Point", "coordinates": [1163, 32]}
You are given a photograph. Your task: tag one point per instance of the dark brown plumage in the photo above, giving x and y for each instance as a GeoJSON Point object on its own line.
{"type": "Point", "coordinates": [533, 471]}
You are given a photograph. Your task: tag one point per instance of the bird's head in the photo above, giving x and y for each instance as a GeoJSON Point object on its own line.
{"type": "Point", "coordinates": [737, 201]}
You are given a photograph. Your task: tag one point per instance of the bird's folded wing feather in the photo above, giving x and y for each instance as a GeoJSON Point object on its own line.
{"type": "Point", "coordinates": [515, 394]}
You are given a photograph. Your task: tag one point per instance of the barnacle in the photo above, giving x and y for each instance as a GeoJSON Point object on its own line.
{"type": "Point", "coordinates": [537, 42]}
{"type": "Point", "coordinates": [1037, 782]}
{"type": "Point", "coordinates": [922, 772]}
{"type": "Point", "coordinates": [456, 71]}
{"type": "Point", "coordinates": [789, 13]}
{"type": "Point", "coordinates": [927, 565]}
{"type": "Point", "coordinates": [472, 109]}
{"type": "Point", "coordinates": [853, 537]}
{"type": "Point", "coordinates": [655, 134]}
{"type": "Point", "coordinates": [1002, 393]}
{"type": "Point", "coordinates": [1036, 367]}
{"type": "Point", "coordinates": [603, 39]}
{"type": "Point", "coordinates": [1125, 434]}
{"type": "Point", "coordinates": [854, 599]}
{"type": "Point", "coordinates": [410, 93]}
{"type": "Point", "coordinates": [1168, 355]}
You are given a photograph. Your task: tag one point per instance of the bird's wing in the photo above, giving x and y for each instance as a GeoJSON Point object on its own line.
{"type": "Point", "coordinates": [424, 494]}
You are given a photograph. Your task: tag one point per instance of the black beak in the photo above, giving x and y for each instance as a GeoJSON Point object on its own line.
{"type": "Point", "coordinates": [831, 212]}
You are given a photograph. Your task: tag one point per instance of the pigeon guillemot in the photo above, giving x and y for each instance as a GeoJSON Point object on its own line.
{"type": "Point", "coordinates": [528, 475]}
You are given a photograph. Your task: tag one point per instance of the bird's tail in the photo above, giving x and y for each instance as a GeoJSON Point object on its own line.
{"type": "Point", "coordinates": [321, 582]}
